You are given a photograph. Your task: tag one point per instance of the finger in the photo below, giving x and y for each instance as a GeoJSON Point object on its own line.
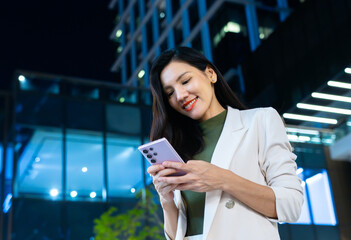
{"type": "Point", "coordinates": [155, 168]}
{"type": "Point", "coordinates": [166, 172]}
{"type": "Point", "coordinates": [167, 188]}
{"type": "Point", "coordinates": [164, 188]}
{"type": "Point", "coordinates": [176, 165]}
{"type": "Point", "coordinates": [173, 180]}
{"type": "Point", "coordinates": [160, 185]}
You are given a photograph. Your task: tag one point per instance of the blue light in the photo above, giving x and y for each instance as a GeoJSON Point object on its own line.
{"type": "Point", "coordinates": [318, 207]}
{"type": "Point", "coordinates": [305, 214]}
{"type": "Point", "coordinates": [321, 199]}
{"type": "Point", "coordinates": [7, 203]}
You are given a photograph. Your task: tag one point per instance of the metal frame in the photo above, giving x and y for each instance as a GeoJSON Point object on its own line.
{"type": "Point", "coordinates": [159, 42]}
{"type": "Point", "coordinates": [123, 43]}
{"type": "Point", "coordinates": [252, 26]}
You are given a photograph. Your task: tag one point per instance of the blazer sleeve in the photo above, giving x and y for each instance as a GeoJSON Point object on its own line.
{"type": "Point", "coordinates": [279, 167]}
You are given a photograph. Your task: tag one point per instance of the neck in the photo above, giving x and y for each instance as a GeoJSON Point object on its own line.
{"type": "Point", "coordinates": [214, 110]}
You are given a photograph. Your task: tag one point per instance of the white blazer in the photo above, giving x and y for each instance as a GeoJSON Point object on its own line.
{"type": "Point", "coordinates": [254, 145]}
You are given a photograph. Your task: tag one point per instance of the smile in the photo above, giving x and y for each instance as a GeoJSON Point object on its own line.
{"type": "Point", "coordinates": [190, 104]}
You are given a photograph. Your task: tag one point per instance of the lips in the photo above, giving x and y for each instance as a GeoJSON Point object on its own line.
{"type": "Point", "coordinates": [190, 104]}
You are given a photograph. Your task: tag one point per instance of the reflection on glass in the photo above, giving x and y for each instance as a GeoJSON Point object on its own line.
{"type": "Point", "coordinates": [84, 163]}
{"type": "Point", "coordinates": [318, 197]}
{"type": "Point", "coordinates": [124, 166]}
{"type": "Point", "coordinates": [321, 199]}
{"type": "Point", "coordinates": [38, 178]}
{"type": "Point", "coordinates": [305, 215]}
{"type": "Point", "coordinates": [39, 85]}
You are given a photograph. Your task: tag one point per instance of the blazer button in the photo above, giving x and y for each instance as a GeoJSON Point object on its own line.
{"type": "Point", "coordinates": [230, 204]}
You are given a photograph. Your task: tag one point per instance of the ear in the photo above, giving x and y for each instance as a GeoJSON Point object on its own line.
{"type": "Point", "coordinates": [211, 74]}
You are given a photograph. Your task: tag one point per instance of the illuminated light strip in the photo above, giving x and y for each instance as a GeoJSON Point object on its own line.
{"type": "Point", "coordinates": [299, 170]}
{"type": "Point", "coordinates": [324, 109]}
{"type": "Point", "coordinates": [339, 84]}
{"type": "Point", "coordinates": [314, 178]}
{"type": "Point", "coordinates": [331, 97]}
{"type": "Point", "coordinates": [348, 70]}
{"type": "Point", "coordinates": [292, 137]}
{"type": "Point", "coordinates": [309, 118]}
{"type": "Point", "coordinates": [304, 138]}
{"type": "Point", "coordinates": [296, 138]}
{"type": "Point", "coordinates": [304, 131]}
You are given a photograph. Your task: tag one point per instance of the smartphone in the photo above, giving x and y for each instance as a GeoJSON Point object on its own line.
{"type": "Point", "coordinates": [158, 151]}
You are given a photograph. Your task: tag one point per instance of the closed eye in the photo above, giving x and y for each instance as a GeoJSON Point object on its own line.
{"type": "Point", "coordinates": [169, 94]}
{"type": "Point", "coordinates": [186, 81]}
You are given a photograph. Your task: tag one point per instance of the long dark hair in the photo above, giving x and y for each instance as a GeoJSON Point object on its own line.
{"type": "Point", "coordinates": [183, 132]}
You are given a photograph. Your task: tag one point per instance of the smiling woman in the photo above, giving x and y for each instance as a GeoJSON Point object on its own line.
{"type": "Point", "coordinates": [174, 75]}
{"type": "Point", "coordinates": [186, 86]}
{"type": "Point", "coordinates": [240, 171]}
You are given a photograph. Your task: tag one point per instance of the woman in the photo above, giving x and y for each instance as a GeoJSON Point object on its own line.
{"type": "Point", "coordinates": [240, 172]}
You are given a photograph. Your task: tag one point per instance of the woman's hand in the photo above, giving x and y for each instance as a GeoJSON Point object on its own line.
{"type": "Point", "coordinates": [200, 176]}
{"type": "Point", "coordinates": [164, 190]}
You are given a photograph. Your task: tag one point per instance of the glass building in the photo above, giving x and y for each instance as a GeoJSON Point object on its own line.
{"type": "Point", "coordinates": [69, 145]}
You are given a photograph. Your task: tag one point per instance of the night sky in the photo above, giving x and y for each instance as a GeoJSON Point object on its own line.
{"type": "Point", "coordinates": [57, 37]}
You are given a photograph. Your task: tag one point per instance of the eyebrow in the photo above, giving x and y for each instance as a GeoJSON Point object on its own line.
{"type": "Point", "coordinates": [178, 78]}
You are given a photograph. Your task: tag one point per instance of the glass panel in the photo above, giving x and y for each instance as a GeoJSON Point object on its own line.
{"type": "Point", "coordinates": [1, 158]}
{"type": "Point", "coordinates": [125, 172]}
{"type": "Point", "coordinates": [124, 95]}
{"type": "Point", "coordinates": [37, 219]}
{"type": "Point", "coordinates": [267, 21]}
{"type": "Point", "coordinates": [147, 97]}
{"type": "Point", "coordinates": [87, 115]}
{"type": "Point", "coordinates": [123, 119]}
{"type": "Point", "coordinates": [268, 3]}
{"type": "Point", "coordinates": [38, 109]}
{"type": "Point", "coordinates": [317, 196]}
{"type": "Point", "coordinates": [89, 92]}
{"type": "Point", "coordinates": [40, 163]}
{"type": "Point", "coordinates": [229, 37]}
{"type": "Point", "coordinates": [7, 190]}
{"type": "Point", "coordinates": [305, 217]}
{"type": "Point", "coordinates": [84, 165]}
{"type": "Point", "coordinates": [39, 84]}
{"type": "Point", "coordinates": [305, 213]}
{"type": "Point", "coordinates": [321, 199]}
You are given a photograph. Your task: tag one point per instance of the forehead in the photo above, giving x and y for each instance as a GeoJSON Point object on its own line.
{"type": "Point", "coordinates": [175, 69]}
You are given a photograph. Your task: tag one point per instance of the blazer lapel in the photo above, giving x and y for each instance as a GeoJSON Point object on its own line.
{"type": "Point", "coordinates": [231, 136]}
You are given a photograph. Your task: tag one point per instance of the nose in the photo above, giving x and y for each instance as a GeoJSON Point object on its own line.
{"type": "Point", "coordinates": [181, 94]}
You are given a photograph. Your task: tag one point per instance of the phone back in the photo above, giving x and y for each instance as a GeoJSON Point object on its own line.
{"type": "Point", "coordinates": [159, 151]}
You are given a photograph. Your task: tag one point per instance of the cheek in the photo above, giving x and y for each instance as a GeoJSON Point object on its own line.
{"type": "Point", "coordinates": [172, 103]}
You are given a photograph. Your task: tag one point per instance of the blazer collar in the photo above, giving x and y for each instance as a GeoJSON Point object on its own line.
{"type": "Point", "coordinates": [233, 121]}
{"type": "Point", "coordinates": [229, 140]}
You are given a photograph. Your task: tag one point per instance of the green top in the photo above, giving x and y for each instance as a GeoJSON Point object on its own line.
{"type": "Point", "coordinates": [195, 201]}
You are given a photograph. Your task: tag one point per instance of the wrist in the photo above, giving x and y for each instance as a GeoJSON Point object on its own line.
{"type": "Point", "coordinates": [168, 205]}
{"type": "Point", "coordinates": [227, 179]}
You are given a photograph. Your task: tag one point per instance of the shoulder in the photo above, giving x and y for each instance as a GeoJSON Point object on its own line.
{"type": "Point", "coordinates": [255, 118]}
{"type": "Point", "coordinates": [256, 114]}
{"type": "Point", "coordinates": [258, 111]}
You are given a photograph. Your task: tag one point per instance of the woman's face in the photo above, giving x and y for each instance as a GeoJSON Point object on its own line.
{"type": "Point", "coordinates": [191, 91]}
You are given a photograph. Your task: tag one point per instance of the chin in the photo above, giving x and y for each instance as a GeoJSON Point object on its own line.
{"type": "Point", "coordinates": [196, 117]}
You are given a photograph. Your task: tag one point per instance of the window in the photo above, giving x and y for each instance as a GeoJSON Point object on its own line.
{"type": "Point", "coordinates": [318, 207]}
